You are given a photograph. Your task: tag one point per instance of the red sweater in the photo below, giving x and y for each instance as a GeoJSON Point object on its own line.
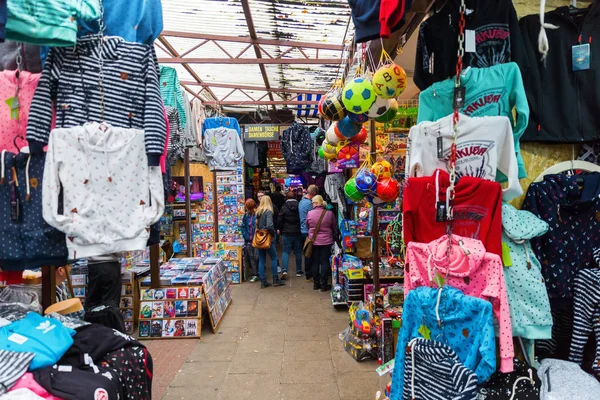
{"type": "Point", "coordinates": [477, 210]}
{"type": "Point", "coordinates": [391, 13]}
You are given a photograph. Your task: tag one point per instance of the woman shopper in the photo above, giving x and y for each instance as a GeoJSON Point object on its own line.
{"type": "Point", "coordinates": [323, 240]}
{"type": "Point", "coordinates": [289, 224]}
{"type": "Point", "coordinates": [248, 227]}
{"type": "Point", "coordinates": [264, 215]}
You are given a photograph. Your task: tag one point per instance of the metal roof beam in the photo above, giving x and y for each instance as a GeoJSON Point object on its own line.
{"type": "Point", "coordinates": [257, 48]}
{"type": "Point", "coordinates": [255, 88]}
{"type": "Point", "coordinates": [270, 61]}
{"type": "Point", "coordinates": [250, 103]}
{"type": "Point", "coordinates": [244, 39]}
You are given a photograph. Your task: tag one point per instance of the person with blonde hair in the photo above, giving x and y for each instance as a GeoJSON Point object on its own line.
{"type": "Point", "coordinates": [322, 226]}
{"type": "Point", "coordinates": [264, 215]}
{"type": "Point", "coordinates": [250, 254]}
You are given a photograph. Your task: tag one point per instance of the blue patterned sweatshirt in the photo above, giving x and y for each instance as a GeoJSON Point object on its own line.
{"type": "Point", "coordinates": [466, 326]}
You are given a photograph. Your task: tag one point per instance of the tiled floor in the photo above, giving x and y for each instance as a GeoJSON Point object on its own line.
{"type": "Point", "coordinates": [276, 343]}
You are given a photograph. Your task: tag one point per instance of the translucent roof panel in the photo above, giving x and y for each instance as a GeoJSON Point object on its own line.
{"type": "Point", "coordinates": [319, 22]}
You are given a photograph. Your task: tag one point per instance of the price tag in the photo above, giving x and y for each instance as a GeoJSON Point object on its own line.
{"type": "Point", "coordinates": [459, 97]}
{"type": "Point", "coordinates": [18, 339]}
{"type": "Point", "coordinates": [581, 57]}
{"type": "Point", "coordinates": [470, 41]}
{"type": "Point", "coordinates": [441, 213]}
{"type": "Point", "coordinates": [440, 148]}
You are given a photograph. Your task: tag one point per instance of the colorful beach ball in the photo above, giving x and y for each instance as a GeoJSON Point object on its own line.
{"type": "Point", "coordinates": [366, 181]}
{"type": "Point", "coordinates": [389, 81]}
{"type": "Point", "coordinates": [358, 95]}
{"type": "Point", "coordinates": [382, 169]}
{"type": "Point", "coordinates": [351, 191]}
{"type": "Point", "coordinates": [360, 137]}
{"type": "Point", "coordinates": [347, 128]}
{"type": "Point", "coordinates": [388, 189]}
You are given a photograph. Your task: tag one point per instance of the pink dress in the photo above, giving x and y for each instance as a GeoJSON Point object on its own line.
{"type": "Point", "coordinates": [11, 128]}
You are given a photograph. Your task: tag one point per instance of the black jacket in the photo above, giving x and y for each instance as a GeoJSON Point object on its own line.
{"type": "Point", "coordinates": [278, 199]}
{"type": "Point", "coordinates": [297, 147]}
{"type": "Point", "coordinates": [289, 218]}
{"type": "Point", "coordinates": [497, 36]}
{"type": "Point", "coordinates": [563, 103]}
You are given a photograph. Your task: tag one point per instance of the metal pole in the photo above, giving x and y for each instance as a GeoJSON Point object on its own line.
{"type": "Point", "coordinates": [188, 204]}
{"type": "Point", "coordinates": [375, 227]}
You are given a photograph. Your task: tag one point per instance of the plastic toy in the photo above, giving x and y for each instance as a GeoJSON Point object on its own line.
{"type": "Point", "coordinates": [389, 115]}
{"type": "Point", "coordinates": [329, 150]}
{"type": "Point", "coordinates": [389, 81]}
{"type": "Point", "coordinates": [366, 181]}
{"type": "Point", "coordinates": [360, 137]}
{"type": "Point", "coordinates": [358, 95]}
{"type": "Point", "coordinates": [388, 189]}
{"type": "Point", "coordinates": [382, 169]}
{"type": "Point", "coordinates": [347, 128]}
{"type": "Point", "coordinates": [358, 118]}
{"type": "Point", "coordinates": [331, 136]}
{"type": "Point", "coordinates": [380, 107]}
{"type": "Point", "coordinates": [332, 108]}
{"type": "Point", "coordinates": [321, 153]}
{"type": "Point", "coordinates": [347, 152]}
{"type": "Point", "coordinates": [351, 191]}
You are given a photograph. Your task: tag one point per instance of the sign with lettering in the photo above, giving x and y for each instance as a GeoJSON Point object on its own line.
{"type": "Point", "coordinates": [261, 132]}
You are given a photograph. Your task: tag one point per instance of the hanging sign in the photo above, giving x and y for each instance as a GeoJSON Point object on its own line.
{"type": "Point", "coordinates": [261, 132]}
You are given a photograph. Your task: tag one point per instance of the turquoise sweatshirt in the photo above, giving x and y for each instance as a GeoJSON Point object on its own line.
{"type": "Point", "coordinates": [527, 295]}
{"type": "Point", "coordinates": [490, 91]}
{"type": "Point", "coordinates": [49, 22]}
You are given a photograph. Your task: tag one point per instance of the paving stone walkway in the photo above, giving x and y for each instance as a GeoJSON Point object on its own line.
{"type": "Point", "coordinates": [273, 344]}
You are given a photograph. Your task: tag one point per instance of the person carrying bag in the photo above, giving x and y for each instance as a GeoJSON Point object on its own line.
{"type": "Point", "coordinates": [308, 244]}
{"type": "Point", "coordinates": [322, 227]}
{"type": "Point", "coordinates": [263, 241]}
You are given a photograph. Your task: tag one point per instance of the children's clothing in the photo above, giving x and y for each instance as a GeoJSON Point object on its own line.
{"type": "Point", "coordinates": [463, 322]}
{"type": "Point", "coordinates": [492, 91]}
{"type": "Point", "coordinates": [296, 147]}
{"type": "Point", "coordinates": [170, 91]}
{"type": "Point", "coordinates": [527, 296]}
{"type": "Point", "coordinates": [467, 267]}
{"type": "Point", "coordinates": [106, 208]}
{"type": "Point", "coordinates": [69, 82]}
{"type": "Point", "coordinates": [223, 148]}
{"type": "Point", "coordinates": [483, 146]}
{"type": "Point", "coordinates": [28, 382]}
{"type": "Point", "coordinates": [521, 384]}
{"type": "Point", "coordinates": [477, 210]}
{"type": "Point", "coordinates": [13, 125]}
{"type": "Point", "coordinates": [566, 380]}
{"type": "Point", "coordinates": [433, 370]}
{"type": "Point", "coordinates": [13, 365]}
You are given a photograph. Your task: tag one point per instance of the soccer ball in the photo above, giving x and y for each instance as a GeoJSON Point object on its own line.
{"type": "Point", "coordinates": [351, 191]}
{"type": "Point", "coordinates": [381, 106]}
{"type": "Point", "coordinates": [332, 108]}
{"type": "Point", "coordinates": [358, 96]}
{"type": "Point", "coordinates": [358, 118]}
{"type": "Point", "coordinates": [382, 169]}
{"type": "Point", "coordinates": [390, 114]}
{"type": "Point", "coordinates": [329, 150]}
{"type": "Point", "coordinates": [331, 136]}
{"type": "Point", "coordinates": [366, 182]}
{"type": "Point", "coordinates": [389, 81]}
{"type": "Point", "coordinates": [388, 189]}
{"type": "Point", "coordinates": [360, 137]}
{"type": "Point", "coordinates": [347, 128]}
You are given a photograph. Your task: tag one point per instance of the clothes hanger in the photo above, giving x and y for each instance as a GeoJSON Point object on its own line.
{"type": "Point", "coordinates": [569, 166]}
{"type": "Point", "coordinates": [573, 10]}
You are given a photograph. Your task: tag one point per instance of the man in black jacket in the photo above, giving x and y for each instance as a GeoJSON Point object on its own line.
{"type": "Point", "coordinates": [289, 224]}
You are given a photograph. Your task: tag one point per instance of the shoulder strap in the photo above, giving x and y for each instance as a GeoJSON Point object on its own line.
{"type": "Point", "coordinates": [318, 226]}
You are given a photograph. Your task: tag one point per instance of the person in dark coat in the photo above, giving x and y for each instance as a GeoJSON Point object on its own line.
{"type": "Point", "coordinates": [289, 224]}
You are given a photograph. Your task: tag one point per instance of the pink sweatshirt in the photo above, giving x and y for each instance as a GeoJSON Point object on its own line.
{"type": "Point", "coordinates": [470, 269]}
{"type": "Point", "coordinates": [9, 127]}
{"type": "Point", "coordinates": [27, 382]}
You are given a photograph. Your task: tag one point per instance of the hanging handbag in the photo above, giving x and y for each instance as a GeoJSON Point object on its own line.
{"type": "Point", "coordinates": [308, 243]}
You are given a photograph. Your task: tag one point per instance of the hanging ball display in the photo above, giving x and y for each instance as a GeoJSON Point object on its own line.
{"type": "Point", "coordinates": [388, 189]}
{"type": "Point", "coordinates": [366, 182]}
{"type": "Point", "coordinates": [351, 191]}
{"type": "Point", "coordinates": [381, 106]}
{"type": "Point", "coordinates": [390, 114]}
{"type": "Point", "coordinates": [347, 128]}
{"type": "Point", "coordinates": [382, 169]}
{"type": "Point", "coordinates": [329, 150]}
{"type": "Point", "coordinates": [321, 153]}
{"type": "Point", "coordinates": [358, 96]}
{"type": "Point", "coordinates": [331, 135]}
{"type": "Point", "coordinates": [358, 118]}
{"type": "Point", "coordinates": [360, 137]}
{"type": "Point", "coordinates": [332, 108]}
{"type": "Point", "coordinates": [389, 81]}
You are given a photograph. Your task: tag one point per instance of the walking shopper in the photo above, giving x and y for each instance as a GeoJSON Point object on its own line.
{"type": "Point", "coordinates": [250, 254]}
{"type": "Point", "coordinates": [304, 207]}
{"type": "Point", "coordinates": [259, 196]}
{"type": "Point", "coordinates": [324, 239]}
{"type": "Point", "coordinates": [278, 198]}
{"type": "Point", "coordinates": [289, 223]}
{"type": "Point", "coordinates": [264, 214]}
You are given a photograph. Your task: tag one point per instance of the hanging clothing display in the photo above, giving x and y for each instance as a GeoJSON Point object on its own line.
{"type": "Point", "coordinates": [572, 217]}
{"type": "Point", "coordinates": [131, 94]}
{"type": "Point", "coordinates": [565, 111]}
{"type": "Point", "coordinates": [175, 144]}
{"type": "Point", "coordinates": [493, 91]}
{"type": "Point", "coordinates": [477, 210]}
{"type": "Point", "coordinates": [137, 21]}
{"type": "Point", "coordinates": [566, 380]}
{"type": "Point", "coordinates": [3, 13]}
{"type": "Point", "coordinates": [483, 146]}
{"type": "Point", "coordinates": [50, 22]}
{"type": "Point", "coordinates": [497, 38]}
{"type": "Point", "coordinates": [521, 384]}
{"type": "Point", "coordinates": [297, 148]}
{"type": "Point", "coordinates": [190, 132]}
{"type": "Point", "coordinates": [469, 268]}
{"type": "Point", "coordinates": [31, 57]}
{"type": "Point", "coordinates": [106, 209]}
{"type": "Point", "coordinates": [463, 322]}
{"type": "Point", "coordinates": [527, 296]}
{"type": "Point", "coordinates": [170, 91]}
{"type": "Point", "coordinates": [13, 121]}
{"type": "Point", "coordinates": [222, 144]}
{"type": "Point", "coordinates": [430, 361]}
{"type": "Point", "coordinates": [586, 316]}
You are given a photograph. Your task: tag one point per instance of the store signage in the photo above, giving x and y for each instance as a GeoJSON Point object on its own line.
{"type": "Point", "coordinates": [261, 132]}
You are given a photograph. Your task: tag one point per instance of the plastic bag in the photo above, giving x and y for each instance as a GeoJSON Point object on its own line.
{"type": "Point", "coordinates": [359, 348]}
{"type": "Point", "coordinates": [24, 294]}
